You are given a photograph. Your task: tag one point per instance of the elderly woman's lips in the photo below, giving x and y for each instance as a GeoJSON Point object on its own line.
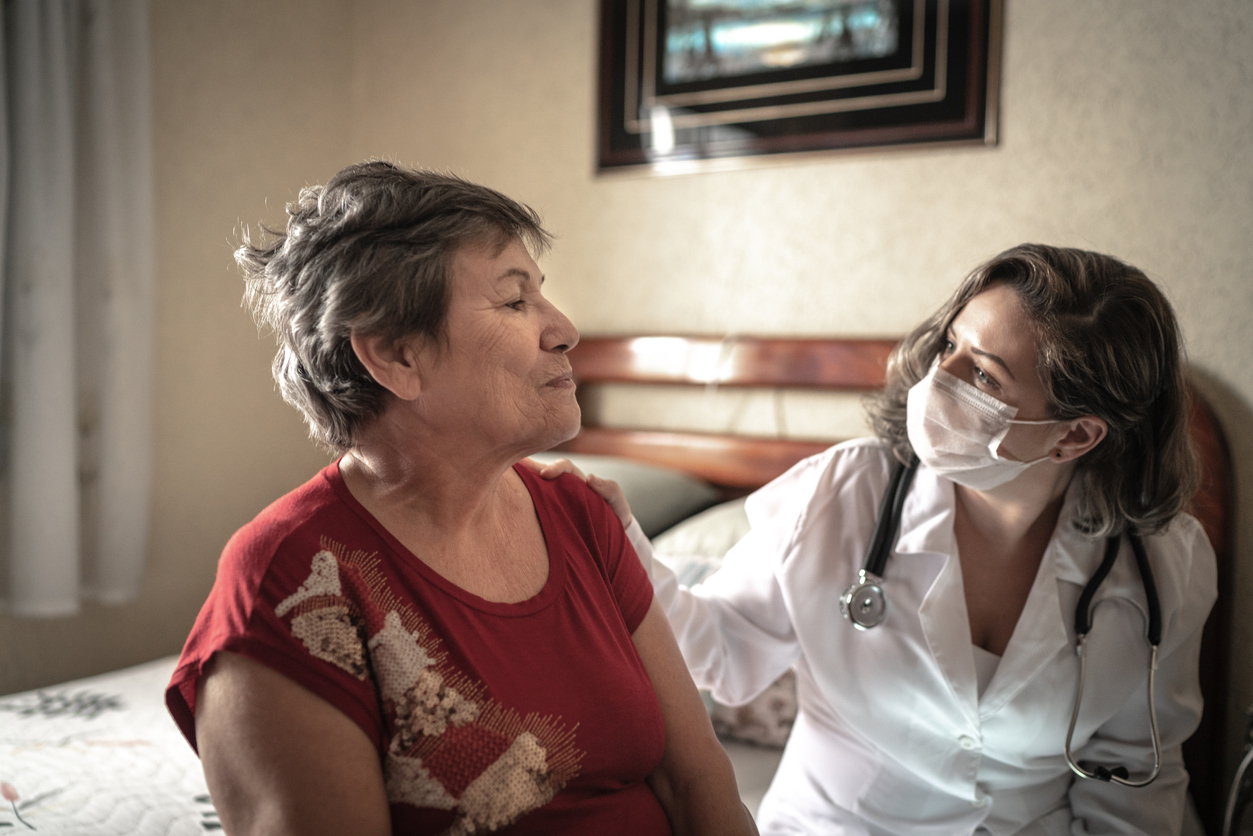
{"type": "Point", "coordinates": [565, 381]}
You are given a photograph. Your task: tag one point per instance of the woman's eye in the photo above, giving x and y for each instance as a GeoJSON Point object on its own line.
{"type": "Point", "coordinates": [516, 304]}
{"type": "Point", "coordinates": [982, 377]}
{"type": "Point", "coordinates": [948, 347]}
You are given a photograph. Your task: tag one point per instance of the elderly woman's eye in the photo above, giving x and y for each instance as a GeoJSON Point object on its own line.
{"type": "Point", "coordinates": [516, 304]}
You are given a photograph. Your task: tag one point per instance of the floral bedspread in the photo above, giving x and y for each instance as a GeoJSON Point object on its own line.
{"type": "Point", "coordinates": [100, 756]}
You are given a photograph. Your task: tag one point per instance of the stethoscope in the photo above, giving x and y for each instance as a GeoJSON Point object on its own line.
{"type": "Point", "coordinates": [865, 605]}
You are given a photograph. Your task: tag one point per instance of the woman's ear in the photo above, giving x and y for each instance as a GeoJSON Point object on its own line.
{"type": "Point", "coordinates": [392, 363]}
{"type": "Point", "coordinates": [1084, 434]}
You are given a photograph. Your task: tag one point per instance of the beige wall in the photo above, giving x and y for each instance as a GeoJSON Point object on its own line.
{"type": "Point", "coordinates": [1125, 128]}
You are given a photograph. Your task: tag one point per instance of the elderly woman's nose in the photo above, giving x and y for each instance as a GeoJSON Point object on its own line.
{"type": "Point", "coordinates": [560, 335]}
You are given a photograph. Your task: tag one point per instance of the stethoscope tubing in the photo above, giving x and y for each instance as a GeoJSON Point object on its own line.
{"type": "Point", "coordinates": [1234, 801]}
{"type": "Point", "coordinates": [1153, 634]}
{"type": "Point", "coordinates": [865, 606]}
{"type": "Point", "coordinates": [1117, 775]}
{"type": "Point", "coordinates": [890, 508]}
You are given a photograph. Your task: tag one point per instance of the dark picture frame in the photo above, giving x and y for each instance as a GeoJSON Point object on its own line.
{"type": "Point", "coordinates": [934, 77]}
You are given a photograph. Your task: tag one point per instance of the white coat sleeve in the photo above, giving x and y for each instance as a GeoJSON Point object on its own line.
{"type": "Point", "coordinates": [734, 629]}
{"type": "Point", "coordinates": [1100, 807]}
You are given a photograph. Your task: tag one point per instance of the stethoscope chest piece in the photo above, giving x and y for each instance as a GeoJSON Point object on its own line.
{"type": "Point", "coordinates": [864, 603]}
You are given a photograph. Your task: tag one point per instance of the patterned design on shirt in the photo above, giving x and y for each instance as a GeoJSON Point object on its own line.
{"type": "Point", "coordinates": [451, 746]}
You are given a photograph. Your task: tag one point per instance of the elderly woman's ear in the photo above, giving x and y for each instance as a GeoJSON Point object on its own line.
{"type": "Point", "coordinates": [394, 364]}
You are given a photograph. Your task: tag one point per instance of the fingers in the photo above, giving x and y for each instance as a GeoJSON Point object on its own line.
{"type": "Point", "coordinates": [552, 471]}
{"type": "Point", "coordinates": [607, 488]}
{"type": "Point", "coordinates": [612, 494]}
{"type": "Point", "coordinates": [562, 466]}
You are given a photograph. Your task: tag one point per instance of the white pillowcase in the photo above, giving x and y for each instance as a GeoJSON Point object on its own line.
{"type": "Point", "coordinates": [694, 548]}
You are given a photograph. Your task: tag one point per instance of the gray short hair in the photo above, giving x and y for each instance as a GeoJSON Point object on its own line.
{"type": "Point", "coordinates": [370, 252]}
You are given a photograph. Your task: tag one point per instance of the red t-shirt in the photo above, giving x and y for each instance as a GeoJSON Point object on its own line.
{"type": "Point", "coordinates": [534, 717]}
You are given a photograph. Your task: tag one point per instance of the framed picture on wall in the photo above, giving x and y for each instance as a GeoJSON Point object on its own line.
{"type": "Point", "coordinates": [685, 81]}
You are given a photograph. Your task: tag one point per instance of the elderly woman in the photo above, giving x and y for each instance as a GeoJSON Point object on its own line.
{"type": "Point", "coordinates": [426, 638]}
{"type": "Point", "coordinates": [1044, 412]}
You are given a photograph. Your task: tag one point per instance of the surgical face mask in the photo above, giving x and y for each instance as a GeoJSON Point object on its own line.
{"type": "Point", "coordinates": [957, 429]}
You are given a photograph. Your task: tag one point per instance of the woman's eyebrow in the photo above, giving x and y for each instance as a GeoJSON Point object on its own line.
{"type": "Point", "coordinates": [995, 359]}
{"type": "Point", "coordinates": [517, 273]}
{"type": "Point", "coordinates": [513, 272]}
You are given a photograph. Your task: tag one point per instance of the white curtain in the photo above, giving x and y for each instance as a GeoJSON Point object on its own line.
{"type": "Point", "coordinates": [76, 349]}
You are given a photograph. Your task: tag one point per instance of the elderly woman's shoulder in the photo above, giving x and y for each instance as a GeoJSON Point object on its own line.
{"type": "Point", "coordinates": [565, 490]}
{"type": "Point", "coordinates": [307, 513]}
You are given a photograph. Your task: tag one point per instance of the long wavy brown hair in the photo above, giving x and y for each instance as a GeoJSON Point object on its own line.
{"type": "Point", "coordinates": [1108, 346]}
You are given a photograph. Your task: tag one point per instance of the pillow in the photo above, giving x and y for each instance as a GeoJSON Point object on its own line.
{"type": "Point", "coordinates": [659, 496]}
{"type": "Point", "coordinates": [765, 719]}
{"type": "Point", "coordinates": [693, 550]}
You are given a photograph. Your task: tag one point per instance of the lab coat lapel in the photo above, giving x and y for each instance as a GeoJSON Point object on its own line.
{"type": "Point", "coordinates": [1038, 638]}
{"type": "Point", "coordinates": [1078, 559]}
{"type": "Point", "coordinates": [1042, 631]}
{"type": "Point", "coordinates": [927, 523]}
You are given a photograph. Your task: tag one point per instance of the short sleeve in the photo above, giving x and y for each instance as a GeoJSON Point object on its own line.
{"type": "Point", "coordinates": [604, 536]}
{"type": "Point", "coordinates": [290, 608]}
{"type": "Point", "coordinates": [631, 587]}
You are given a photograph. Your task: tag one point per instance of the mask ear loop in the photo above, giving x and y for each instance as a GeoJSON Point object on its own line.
{"type": "Point", "coordinates": [1083, 624]}
{"type": "Point", "coordinates": [1009, 425]}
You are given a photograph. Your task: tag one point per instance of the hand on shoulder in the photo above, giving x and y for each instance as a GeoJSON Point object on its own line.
{"type": "Point", "coordinates": [607, 488]}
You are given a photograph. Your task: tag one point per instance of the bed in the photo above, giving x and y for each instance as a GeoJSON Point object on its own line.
{"type": "Point", "coordinates": [732, 465]}
{"type": "Point", "coordinates": [101, 756]}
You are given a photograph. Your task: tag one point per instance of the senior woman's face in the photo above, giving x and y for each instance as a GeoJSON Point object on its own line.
{"type": "Point", "coordinates": [502, 377]}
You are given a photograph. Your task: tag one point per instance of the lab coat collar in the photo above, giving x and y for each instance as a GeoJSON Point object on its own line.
{"type": "Point", "coordinates": [1077, 556]}
{"type": "Point", "coordinates": [1043, 629]}
{"type": "Point", "coordinates": [927, 529]}
{"type": "Point", "coordinates": [927, 516]}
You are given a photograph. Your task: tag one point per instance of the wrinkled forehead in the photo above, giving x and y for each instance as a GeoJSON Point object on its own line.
{"type": "Point", "coordinates": [489, 268]}
{"type": "Point", "coordinates": [489, 240]}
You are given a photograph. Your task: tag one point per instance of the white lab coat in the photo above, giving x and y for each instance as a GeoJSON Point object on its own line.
{"type": "Point", "coordinates": [891, 737]}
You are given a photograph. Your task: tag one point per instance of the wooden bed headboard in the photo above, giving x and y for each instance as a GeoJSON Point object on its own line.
{"type": "Point", "coordinates": [734, 463]}
{"type": "Point", "coordinates": [738, 464]}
